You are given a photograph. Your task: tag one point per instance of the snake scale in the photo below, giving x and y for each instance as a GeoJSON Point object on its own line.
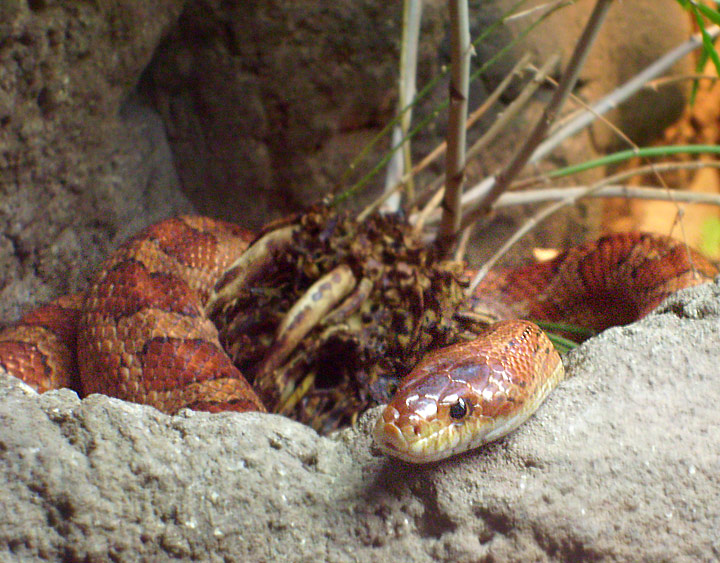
{"type": "Point", "coordinates": [141, 332]}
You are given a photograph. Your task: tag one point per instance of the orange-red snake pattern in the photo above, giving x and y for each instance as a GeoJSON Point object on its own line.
{"type": "Point", "coordinates": [141, 332]}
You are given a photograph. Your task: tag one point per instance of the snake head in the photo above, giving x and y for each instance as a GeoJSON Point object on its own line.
{"type": "Point", "coordinates": [469, 394]}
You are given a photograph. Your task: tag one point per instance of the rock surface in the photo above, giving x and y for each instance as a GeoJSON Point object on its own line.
{"type": "Point", "coordinates": [621, 463]}
{"type": "Point", "coordinates": [82, 164]}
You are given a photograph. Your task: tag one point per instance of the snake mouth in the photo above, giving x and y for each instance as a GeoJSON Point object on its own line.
{"type": "Point", "coordinates": [389, 438]}
{"type": "Point", "coordinates": [416, 440]}
{"type": "Point", "coordinates": [419, 441]}
{"type": "Point", "coordinates": [392, 441]}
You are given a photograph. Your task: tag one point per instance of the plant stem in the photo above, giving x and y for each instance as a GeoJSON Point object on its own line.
{"type": "Point", "coordinates": [507, 115]}
{"type": "Point", "coordinates": [455, 158]}
{"type": "Point", "coordinates": [567, 83]}
{"type": "Point", "coordinates": [621, 94]}
{"type": "Point", "coordinates": [401, 160]}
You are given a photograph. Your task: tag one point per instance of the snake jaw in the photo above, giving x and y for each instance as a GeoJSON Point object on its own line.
{"type": "Point", "coordinates": [418, 440]}
{"type": "Point", "coordinates": [420, 429]}
{"type": "Point", "coordinates": [404, 438]}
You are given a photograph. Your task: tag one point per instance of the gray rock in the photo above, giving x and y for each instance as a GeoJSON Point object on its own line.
{"type": "Point", "coordinates": [621, 463]}
{"type": "Point", "coordinates": [82, 164]}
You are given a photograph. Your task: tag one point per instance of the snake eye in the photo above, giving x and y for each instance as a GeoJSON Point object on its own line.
{"type": "Point", "coordinates": [460, 409]}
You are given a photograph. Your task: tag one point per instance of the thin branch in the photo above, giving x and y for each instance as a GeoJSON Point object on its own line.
{"type": "Point", "coordinates": [612, 190]}
{"type": "Point", "coordinates": [420, 218]}
{"type": "Point", "coordinates": [611, 187]}
{"type": "Point", "coordinates": [474, 212]}
{"type": "Point", "coordinates": [463, 243]}
{"type": "Point", "coordinates": [460, 52]}
{"type": "Point", "coordinates": [658, 83]}
{"type": "Point", "coordinates": [620, 94]}
{"type": "Point", "coordinates": [546, 7]}
{"type": "Point", "coordinates": [438, 151]}
{"type": "Point", "coordinates": [402, 159]}
{"type": "Point", "coordinates": [567, 83]}
{"type": "Point", "coordinates": [489, 136]}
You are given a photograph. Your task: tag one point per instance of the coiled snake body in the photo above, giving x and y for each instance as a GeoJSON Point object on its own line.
{"type": "Point", "coordinates": [141, 332]}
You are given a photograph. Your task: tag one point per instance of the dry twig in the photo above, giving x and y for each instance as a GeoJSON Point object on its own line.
{"type": "Point", "coordinates": [567, 82]}
{"type": "Point", "coordinates": [461, 51]}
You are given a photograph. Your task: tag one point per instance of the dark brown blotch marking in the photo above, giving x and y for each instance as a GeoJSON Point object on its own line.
{"type": "Point", "coordinates": [128, 287]}
{"type": "Point", "coordinates": [188, 245]}
{"type": "Point", "coordinates": [176, 362]}
{"type": "Point", "coordinates": [61, 321]}
{"type": "Point", "coordinates": [198, 373]}
{"type": "Point", "coordinates": [235, 405]}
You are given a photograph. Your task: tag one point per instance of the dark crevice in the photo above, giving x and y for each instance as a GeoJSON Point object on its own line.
{"type": "Point", "coordinates": [434, 522]}
{"type": "Point", "coordinates": [495, 520]}
{"type": "Point", "coordinates": [37, 5]}
{"type": "Point", "coordinates": [561, 547]}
